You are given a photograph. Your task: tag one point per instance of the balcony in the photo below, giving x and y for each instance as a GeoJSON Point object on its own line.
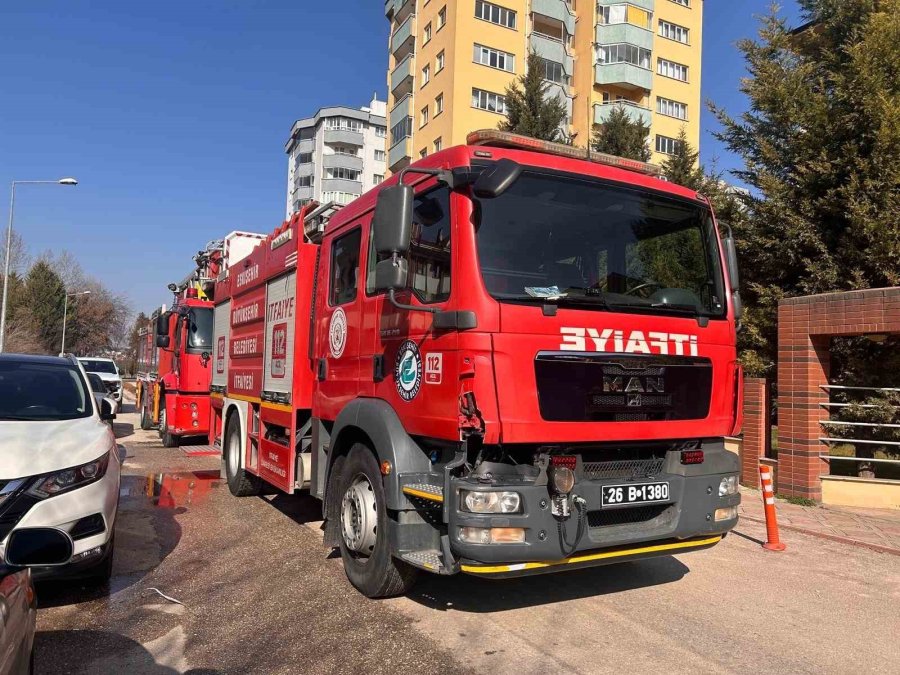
{"type": "Point", "coordinates": [561, 92]}
{"type": "Point", "coordinates": [341, 161]}
{"type": "Point", "coordinates": [648, 5]}
{"type": "Point", "coordinates": [398, 10]}
{"type": "Point", "coordinates": [635, 112]}
{"type": "Point", "coordinates": [552, 49]}
{"type": "Point", "coordinates": [341, 185]}
{"type": "Point", "coordinates": [402, 77]}
{"type": "Point", "coordinates": [399, 111]}
{"type": "Point", "coordinates": [305, 169]}
{"type": "Point", "coordinates": [304, 145]}
{"type": "Point", "coordinates": [555, 9]}
{"type": "Point", "coordinates": [399, 155]}
{"type": "Point", "coordinates": [627, 33]}
{"type": "Point", "coordinates": [625, 75]}
{"type": "Point", "coordinates": [344, 136]}
{"type": "Point", "coordinates": [302, 193]}
{"type": "Point", "coordinates": [403, 41]}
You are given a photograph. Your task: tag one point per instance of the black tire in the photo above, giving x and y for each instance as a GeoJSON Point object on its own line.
{"type": "Point", "coordinates": [240, 483]}
{"type": "Point", "coordinates": [167, 439]}
{"type": "Point", "coordinates": [103, 572]}
{"type": "Point", "coordinates": [146, 422]}
{"type": "Point", "coordinates": [379, 574]}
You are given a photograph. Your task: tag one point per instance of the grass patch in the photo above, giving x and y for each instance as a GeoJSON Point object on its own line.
{"type": "Point", "coordinates": [799, 501]}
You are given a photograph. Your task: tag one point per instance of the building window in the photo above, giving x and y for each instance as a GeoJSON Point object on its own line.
{"type": "Point", "coordinates": [673, 31]}
{"type": "Point", "coordinates": [623, 13]}
{"type": "Point", "coordinates": [439, 62]}
{"type": "Point", "coordinates": [624, 53]}
{"type": "Point", "coordinates": [345, 150]}
{"type": "Point", "coordinates": [671, 108]}
{"type": "Point", "coordinates": [426, 34]}
{"type": "Point", "coordinates": [666, 145]}
{"type": "Point", "coordinates": [378, 177]}
{"type": "Point", "coordinates": [423, 153]}
{"type": "Point", "coordinates": [342, 173]}
{"type": "Point", "coordinates": [442, 17]}
{"type": "Point", "coordinates": [344, 268]}
{"type": "Point", "coordinates": [438, 144]}
{"type": "Point", "coordinates": [438, 104]}
{"type": "Point", "coordinates": [380, 131]}
{"type": "Point", "coordinates": [343, 124]}
{"type": "Point", "coordinates": [423, 117]}
{"type": "Point", "coordinates": [554, 72]}
{"type": "Point", "coordinates": [401, 130]}
{"type": "Point", "coordinates": [426, 75]}
{"type": "Point", "coordinates": [304, 158]}
{"type": "Point", "coordinates": [501, 16]}
{"type": "Point", "coordinates": [338, 197]}
{"type": "Point", "coordinates": [304, 181]}
{"type": "Point", "coordinates": [671, 69]}
{"type": "Point", "coordinates": [494, 58]}
{"type": "Point", "coordinates": [379, 155]}
{"type": "Point", "coordinates": [486, 100]}
{"type": "Point", "coordinates": [683, 3]}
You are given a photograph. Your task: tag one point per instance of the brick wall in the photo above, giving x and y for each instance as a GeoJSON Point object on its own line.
{"type": "Point", "coordinates": [756, 429]}
{"type": "Point", "coordinates": [805, 328]}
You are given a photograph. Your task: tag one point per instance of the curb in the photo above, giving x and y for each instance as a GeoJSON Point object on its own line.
{"type": "Point", "coordinates": [890, 550]}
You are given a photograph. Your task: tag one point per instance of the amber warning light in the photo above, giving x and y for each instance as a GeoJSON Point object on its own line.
{"type": "Point", "coordinates": [505, 139]}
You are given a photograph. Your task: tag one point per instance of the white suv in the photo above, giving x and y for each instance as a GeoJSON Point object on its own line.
{"type": "Point", "coordinates": [106, 369]}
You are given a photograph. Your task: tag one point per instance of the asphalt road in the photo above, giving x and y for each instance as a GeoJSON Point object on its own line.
{"type": "Point", "coordinates": [261, 595]}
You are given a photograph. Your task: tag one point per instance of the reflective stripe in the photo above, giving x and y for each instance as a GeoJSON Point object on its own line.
{"type": "Point", "coordinates": [770, 500]}
{"type": "Point", "coordinates": [277, 406]}
{"type": "Point", "coordinates": [494, 569]}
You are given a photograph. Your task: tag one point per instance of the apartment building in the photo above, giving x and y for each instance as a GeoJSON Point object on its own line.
{"type": "Point", "coordinates": [336, 155]}
{"type": "Point", "coordinates": [450, 62]}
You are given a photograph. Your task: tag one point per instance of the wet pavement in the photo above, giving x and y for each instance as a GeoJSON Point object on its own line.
{"type": "Point", "coordinates": [257, 593]}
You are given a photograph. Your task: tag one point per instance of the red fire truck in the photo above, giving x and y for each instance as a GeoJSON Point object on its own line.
{"type": "Point", "coordinates": [506, 359]}
{"type": "Point", "coordinates": [175, 348]}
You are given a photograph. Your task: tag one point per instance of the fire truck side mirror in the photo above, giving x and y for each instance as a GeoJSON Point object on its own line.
{"type": "Point", "coordinates": [391, 274]}
{"type": "Point", "coordinates": [162, 341]}
{"type": "Point", "coordinates": [392, 222]}
{"type": "Point", "coordinates": [495, 180]}
{"type": "Point", "coordinates": [162, 324]}
{"type": "Point", "coordinates": [731, 263]}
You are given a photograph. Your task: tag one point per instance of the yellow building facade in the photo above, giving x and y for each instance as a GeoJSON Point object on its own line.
{"type": "Point", "coordinates": [450, 62]}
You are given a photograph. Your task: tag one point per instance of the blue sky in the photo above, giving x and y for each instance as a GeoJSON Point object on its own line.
{"type": "Point", "coordinates": [173, 116]}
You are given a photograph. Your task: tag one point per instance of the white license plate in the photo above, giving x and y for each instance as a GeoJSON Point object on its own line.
{"type": "Point", "coordinates": [642, 493]}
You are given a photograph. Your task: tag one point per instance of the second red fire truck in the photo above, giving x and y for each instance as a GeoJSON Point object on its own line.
{"type": "Point", "coordinates": [504, 360]}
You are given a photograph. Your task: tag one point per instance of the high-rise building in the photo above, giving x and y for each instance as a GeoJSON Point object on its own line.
{"type": "Point", "coordinates": [336, 155]}
{"type": "Point", "coordinates": [450, 62]}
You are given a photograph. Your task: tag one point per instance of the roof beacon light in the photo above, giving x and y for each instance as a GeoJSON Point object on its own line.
{"type": "Point", "coordinates": [505, 139]}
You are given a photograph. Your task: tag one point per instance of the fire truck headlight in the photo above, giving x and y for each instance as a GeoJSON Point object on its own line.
{"type": "Point", "coordinates": [492, 535]}
{"type": "Point", "coordinates": [562, 478]}
{"type": "Point", "coordinates": [490, 502]}
{"type": "Point", "coordinates": [728, 486]}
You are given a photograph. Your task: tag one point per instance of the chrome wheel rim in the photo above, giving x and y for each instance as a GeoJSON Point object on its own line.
{"type": "Point", "coordinates": [234, 454]}
{"type": "Point", "coordinates": [359, 517]}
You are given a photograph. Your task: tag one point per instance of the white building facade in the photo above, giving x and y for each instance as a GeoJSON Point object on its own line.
{"type": "Point", "coordinates": [336, 155]}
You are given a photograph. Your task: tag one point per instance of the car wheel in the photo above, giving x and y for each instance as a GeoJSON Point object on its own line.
{"type": "Point", "coordinates": [102, 573]}
{"type": "Point", "coordinates": [240, 483]}
{"type": "Point", "coordinates": [364, 544]}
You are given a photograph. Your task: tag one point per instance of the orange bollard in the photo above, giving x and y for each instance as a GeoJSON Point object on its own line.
{"type": "Point", "coordinates": [768, 493]}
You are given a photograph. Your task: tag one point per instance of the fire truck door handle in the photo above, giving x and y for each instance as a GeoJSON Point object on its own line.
{"type": "Point", "coordinates": [321, 369]}
{"type": "Point", "coordinates": [378, 367]}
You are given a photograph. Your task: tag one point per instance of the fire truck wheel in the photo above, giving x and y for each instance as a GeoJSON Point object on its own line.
{"type": "Point", "coordinates": [241, 483]}
{"type": "Point", "coordinates": [365, 548]}
{"type": "Point", "coordinates": [168, 440]}
{"type": "Point", "coordinates": [146, 422]}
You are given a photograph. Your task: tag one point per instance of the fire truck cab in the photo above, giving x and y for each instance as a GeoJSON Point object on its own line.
{"type": "Point", "coordinates": [505, 359]}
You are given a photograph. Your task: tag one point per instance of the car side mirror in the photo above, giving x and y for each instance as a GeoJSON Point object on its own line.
{"type": "Point", "coordinates": [162, 341]}
{"type": "Point", "coordinates": [392, 222]}
{"type": "Point", "coordinates": [38, 546]}
{"type": "Point", "coordinates": [106, 410]}
{"type": "Point", "coordinates": [495, 180]}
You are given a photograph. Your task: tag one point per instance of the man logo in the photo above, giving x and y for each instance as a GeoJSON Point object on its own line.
{"type": "Point", "coordinates": [634, 384]}
{"type": "Point", "coordinates": [634, 400]}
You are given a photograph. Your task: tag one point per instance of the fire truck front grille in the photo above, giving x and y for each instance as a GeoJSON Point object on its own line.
{"type": "Point", "coordinates": [626, 469]}
{"type": "Point", "coordinates": [622, 387]}
{"type": "Point", "coordinates": [637, 514]}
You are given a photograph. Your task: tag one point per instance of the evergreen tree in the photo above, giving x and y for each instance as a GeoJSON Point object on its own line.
{"type": "Point", "coordinates": [44, 297]}
{"type": "Point", "coordinates": [530, 110]}
{"type": "Point", "coordinates": [821, 146]}
{"type": "Point", "coordinates": [682, 168]}
{"type": "Point", "coordinates": [622, 136]}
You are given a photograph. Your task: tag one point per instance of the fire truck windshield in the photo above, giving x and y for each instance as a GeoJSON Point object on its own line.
{"type": "Point", "coordinates": [570, 240]}
{"type": "Point", "coordinates": [200, 329]}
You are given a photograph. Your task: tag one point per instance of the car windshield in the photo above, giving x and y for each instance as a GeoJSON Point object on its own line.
{"type": "Point", "coordinates": [31, 391]}
{"type": "Point", "coordinates": [569, 240]}
{"type": "Point", "coordinates": [98, 366]}
{"type": "Point", "coordinates": [200, 329]}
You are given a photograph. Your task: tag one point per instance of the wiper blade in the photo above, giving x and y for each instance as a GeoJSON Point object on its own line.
{"type": "Point", "coordinates": [693, 310]}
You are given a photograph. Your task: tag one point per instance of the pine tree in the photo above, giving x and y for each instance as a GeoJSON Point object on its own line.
{"type": "Point", "coordinates": [821, 147]}
{"type": "Point", "coordinates": [530, 110]}
{"type": "Point", "coordinates": [682, 168]}
{"type": "Point", "coordinates": [622, 136]}
{"type": "Point", "coordinates": [44, 296]}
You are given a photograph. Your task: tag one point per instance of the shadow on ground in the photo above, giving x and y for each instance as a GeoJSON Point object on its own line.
{"type": "Point", "coordinates": [464, 593]}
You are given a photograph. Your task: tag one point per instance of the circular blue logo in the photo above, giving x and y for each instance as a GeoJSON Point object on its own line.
{"type": "Point", "coordinates": [408, 370]}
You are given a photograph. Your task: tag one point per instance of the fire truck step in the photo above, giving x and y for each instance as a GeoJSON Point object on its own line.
{"type": "Point", "coordinates": [426, 560]}
{"type": "Point", "coordinates": [200, 450]}
{"type": "Point", "coordinates": [425, 491]}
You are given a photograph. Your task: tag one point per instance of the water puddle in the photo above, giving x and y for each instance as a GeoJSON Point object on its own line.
{"type": "Point", "coordinates": [176, 489]}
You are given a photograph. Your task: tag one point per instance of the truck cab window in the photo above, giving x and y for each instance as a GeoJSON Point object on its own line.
{"type": "Point", "coordinates": [429, 250]}
{"type": "Point", "coordinates": [344, 268]}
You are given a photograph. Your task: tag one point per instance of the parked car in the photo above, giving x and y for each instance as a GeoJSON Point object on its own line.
{"type": "Point", "coordinates": [59, 463]}
{"type": "Point", "coordinates": [108, 372]}
{"type": "Point", "coordinates": [101, 393]}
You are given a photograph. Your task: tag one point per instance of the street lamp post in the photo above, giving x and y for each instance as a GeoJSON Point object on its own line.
{"type": "Point", "coordinates": [62, 347]}
{"type": "Point", "coordinates": [9, 228]}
